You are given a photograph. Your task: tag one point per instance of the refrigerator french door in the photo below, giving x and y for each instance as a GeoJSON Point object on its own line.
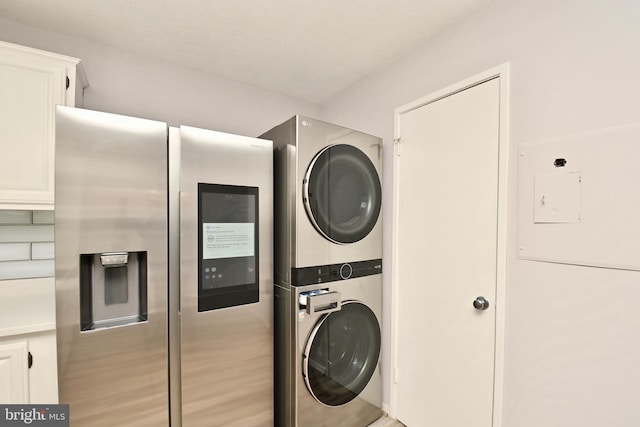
{"type": "Point", "coordinates": [163, 273]}
{"type": "Point", "coordinates": [226, 275]}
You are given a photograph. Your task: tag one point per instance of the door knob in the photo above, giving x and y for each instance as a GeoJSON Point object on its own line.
{"type": "Point", "coordinates": [480, 303]}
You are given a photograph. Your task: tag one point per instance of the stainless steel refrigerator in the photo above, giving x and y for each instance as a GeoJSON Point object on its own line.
{"type": "Point", "coordinates": [163, 273]}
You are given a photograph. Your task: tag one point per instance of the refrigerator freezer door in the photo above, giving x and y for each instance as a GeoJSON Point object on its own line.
{"type": "Point", "coordinates": [111, 222]}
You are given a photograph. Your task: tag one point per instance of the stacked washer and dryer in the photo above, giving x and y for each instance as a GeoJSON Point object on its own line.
{"type": "Point", "coordinates": [328, 283]}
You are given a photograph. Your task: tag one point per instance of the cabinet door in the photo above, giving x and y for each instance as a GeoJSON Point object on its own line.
{"type": "Point", "coordinates": [43, 375]}
{"type": "Point", "coordinates": [30, 87]}
{"type": "Point", "coordinates": [14, 372]}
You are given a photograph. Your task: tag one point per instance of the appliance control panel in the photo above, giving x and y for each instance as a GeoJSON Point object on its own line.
{"type": "Point", "coordinates": [334, 272]}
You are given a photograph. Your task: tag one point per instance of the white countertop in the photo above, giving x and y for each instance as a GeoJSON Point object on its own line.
{"type": "Point", "coordinates": [27, 306]}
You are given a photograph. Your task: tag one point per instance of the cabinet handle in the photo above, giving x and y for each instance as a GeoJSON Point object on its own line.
{"type": "Point", "coordinates": [30, 360]}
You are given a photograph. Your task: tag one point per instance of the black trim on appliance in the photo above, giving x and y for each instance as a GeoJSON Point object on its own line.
{"type": "Point", "coordinates": [334, 272]}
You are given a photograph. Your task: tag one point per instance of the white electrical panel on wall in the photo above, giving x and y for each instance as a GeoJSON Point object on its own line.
{"type": "Point", "coordinates": [579, 199]}
{"type": "Point", "coordinates": [557, 198]}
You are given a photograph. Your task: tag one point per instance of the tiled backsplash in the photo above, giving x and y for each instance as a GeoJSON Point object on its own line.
{"type": "Point", "coordinates": [26, 244]}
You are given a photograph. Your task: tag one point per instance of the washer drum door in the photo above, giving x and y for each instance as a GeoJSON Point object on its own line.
{"type": "Point", "coordinates": [342, 193]}
{"type": "Point", "coordinates": [342, 353]}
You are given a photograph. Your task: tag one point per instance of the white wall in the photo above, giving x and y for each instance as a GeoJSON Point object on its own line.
{"type": "Point", "coordinates": [572, 346]}
{"type": "Point", "coordinates": [127, 84]}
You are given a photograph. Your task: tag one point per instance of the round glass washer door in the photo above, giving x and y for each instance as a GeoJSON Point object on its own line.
{"type": "Point", "coordinates": [342, 353]}
{"type": "Point", "coordinates": [342, 193]}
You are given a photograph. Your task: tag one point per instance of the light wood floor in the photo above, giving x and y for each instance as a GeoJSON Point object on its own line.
{"type": "Point", "coordinates": [387, 422]}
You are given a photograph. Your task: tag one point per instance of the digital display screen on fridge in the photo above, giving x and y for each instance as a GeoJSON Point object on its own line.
{"type": "Point", "coordinates": [228, 249]}
{"type": "Point", "coordinates": [228, 240]}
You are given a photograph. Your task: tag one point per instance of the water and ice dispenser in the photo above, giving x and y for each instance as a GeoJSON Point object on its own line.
{"type": "Point", "coordinates": [113, 289]}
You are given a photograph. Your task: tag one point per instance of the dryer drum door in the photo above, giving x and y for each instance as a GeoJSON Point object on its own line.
{"type": "Point", "coordinates": [342, 353]}
{"type": "Point", "coordinates": [342, 193]}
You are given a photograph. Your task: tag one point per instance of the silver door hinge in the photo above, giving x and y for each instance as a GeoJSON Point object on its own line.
{"type": "Point", "coordinates": [396, 142]}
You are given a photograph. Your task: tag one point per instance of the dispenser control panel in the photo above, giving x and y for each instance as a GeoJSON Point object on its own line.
{"type": "Point", "coordinates": [228, 246]}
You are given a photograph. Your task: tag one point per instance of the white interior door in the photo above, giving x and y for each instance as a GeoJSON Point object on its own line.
{"type": "Point", "coordinates": [447, 229]}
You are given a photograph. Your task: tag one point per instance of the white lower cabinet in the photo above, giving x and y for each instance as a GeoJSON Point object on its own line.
{"type": "Point", "coordinates": [14, 372]}
{"type": "Point", "coordinates": [22, 383]}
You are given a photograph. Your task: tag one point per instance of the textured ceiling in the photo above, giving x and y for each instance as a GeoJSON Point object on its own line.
{"type": "Point", "coordinates": [307, 49]}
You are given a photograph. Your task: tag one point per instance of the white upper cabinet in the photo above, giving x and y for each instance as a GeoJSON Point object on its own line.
{"type": "Point", "coordinates": [32, 83]}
